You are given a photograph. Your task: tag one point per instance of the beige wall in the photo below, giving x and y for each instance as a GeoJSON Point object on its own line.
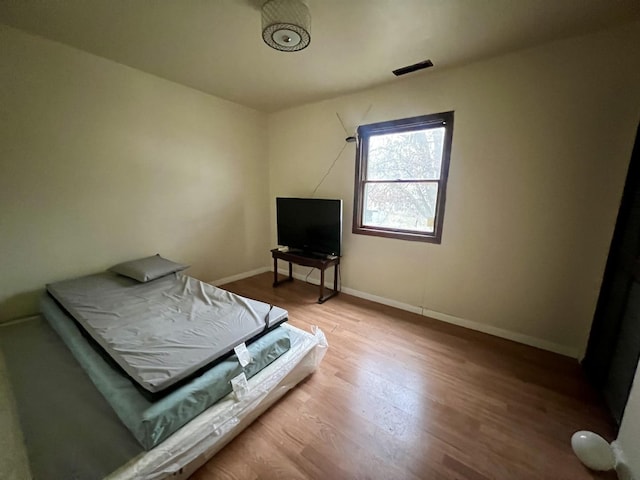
{"type": "Point", "coordinates": [542, 140]}
{"type": "Point", "coordinates": [102, 163]}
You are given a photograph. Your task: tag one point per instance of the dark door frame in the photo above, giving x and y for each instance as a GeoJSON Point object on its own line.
{"type": "Point", "coordinates": [605, 329]}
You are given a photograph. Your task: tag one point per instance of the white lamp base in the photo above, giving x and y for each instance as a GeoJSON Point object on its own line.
{"type": "Point", "coordinates": [593, 451]}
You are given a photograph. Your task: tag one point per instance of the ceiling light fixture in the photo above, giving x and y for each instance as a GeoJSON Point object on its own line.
{"type": "Point", "coordinates": [286, 25]}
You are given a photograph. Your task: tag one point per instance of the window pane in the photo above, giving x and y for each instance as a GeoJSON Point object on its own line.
{"type": "Point", "coordinates": [406, 156]}
{"type": "Point", "coordinates": [406, 206]}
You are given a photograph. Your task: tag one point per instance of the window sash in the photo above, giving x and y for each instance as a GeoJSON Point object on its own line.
{"type": "Point", "coordinates": [421, 180]}
{"type": "Point", "coordinates": [367, 225]}
{"type": "Point", "coordinates": [404, 162]}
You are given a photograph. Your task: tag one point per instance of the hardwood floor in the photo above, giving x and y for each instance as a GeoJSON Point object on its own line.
{"type": "Point", "coordinates": [400, 396]}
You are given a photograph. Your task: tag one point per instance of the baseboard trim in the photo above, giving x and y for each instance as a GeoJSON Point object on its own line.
{"type": "Point", "coordinates": [445, 317]}
{"type": "Point", "coordinates": [382, 300]}
{"type": "Point", "coordinates": [240, 276]}
{"type": "Point", "coordinates": [502, 333]}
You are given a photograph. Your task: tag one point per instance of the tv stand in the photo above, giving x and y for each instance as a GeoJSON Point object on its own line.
{"type": "Point", "coordinates": [321, 262]}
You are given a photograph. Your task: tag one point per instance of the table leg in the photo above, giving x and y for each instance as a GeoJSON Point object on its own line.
{"type": "Point", "coordinates": [320, 299]}
{"type": "Point", "coordinates": [275, 271]}
{"type": "Point", "coordinates": [290, 271]}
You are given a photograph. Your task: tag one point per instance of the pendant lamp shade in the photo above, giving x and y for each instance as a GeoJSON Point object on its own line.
{"type": "Point", "coordinates": [286, 25]}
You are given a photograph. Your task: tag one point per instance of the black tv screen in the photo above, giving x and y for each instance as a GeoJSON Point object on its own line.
{"type": "Point", "coordinates": [312, 225]}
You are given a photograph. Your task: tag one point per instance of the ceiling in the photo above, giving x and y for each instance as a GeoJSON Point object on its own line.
{"type": "Point", "coordinates": [216, 46]}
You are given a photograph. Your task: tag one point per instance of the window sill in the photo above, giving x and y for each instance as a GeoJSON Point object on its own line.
{"type": "Point", "coordinates": [398, 234]}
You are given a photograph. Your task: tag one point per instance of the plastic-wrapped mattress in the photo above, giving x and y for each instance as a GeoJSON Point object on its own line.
{"type": "Point", "coordinates": [151, 422]}
{"type": "Point", "coordinates": [191, 446]}
{"type": "Point", "coordinates": [162, 331]}
{"type": "Point", "coordinates": [71, 432]}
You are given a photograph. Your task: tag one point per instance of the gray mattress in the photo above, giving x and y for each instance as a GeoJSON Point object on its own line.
{"type": "Point", "coordinates": [69, 429]}
{"type": "Point", "coordinates": [151, 422]}
{"type": "Point", "coordinates": [162, 331]}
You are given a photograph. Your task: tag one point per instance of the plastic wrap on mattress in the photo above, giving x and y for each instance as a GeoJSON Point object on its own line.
{"type": "Point", "coordinates": [195, 443]}
{"type": "Point", "coordinates": [71, 432]}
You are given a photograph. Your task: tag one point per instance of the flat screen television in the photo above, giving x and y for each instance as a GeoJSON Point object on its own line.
{"type": "Point", "coordinates": [311, 225]}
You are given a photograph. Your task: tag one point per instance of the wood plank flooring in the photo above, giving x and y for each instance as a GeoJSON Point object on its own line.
{"type": "Point", "coordinates": [400, 396]}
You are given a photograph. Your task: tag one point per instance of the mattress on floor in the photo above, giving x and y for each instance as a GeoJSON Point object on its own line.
{"type": "Point", "coordinates": [162, 331]}
{"type": "Point", "coordinates": [75, 434]}
{"type": "Point", "coordinates": [152, 422]}
{"type": "Point", "coordinates": [69, 429]}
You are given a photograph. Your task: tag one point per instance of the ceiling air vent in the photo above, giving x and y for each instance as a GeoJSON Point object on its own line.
{"type": "Point", "coordinates": [413, 68]}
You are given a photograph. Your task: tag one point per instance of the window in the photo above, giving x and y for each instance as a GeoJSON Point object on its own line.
{"type": "Point", "coordinates": [401, 177]}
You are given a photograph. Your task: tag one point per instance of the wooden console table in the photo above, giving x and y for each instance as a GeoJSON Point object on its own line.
{"type": "Point", "coordinates": [299, 258]}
